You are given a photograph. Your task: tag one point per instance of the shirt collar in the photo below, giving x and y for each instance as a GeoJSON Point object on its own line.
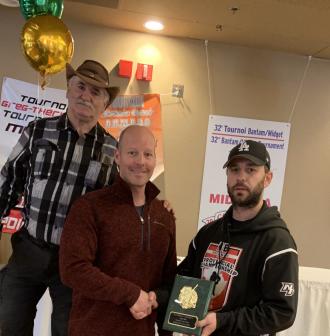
{"type": "Point", "coordinates": [64, 124]}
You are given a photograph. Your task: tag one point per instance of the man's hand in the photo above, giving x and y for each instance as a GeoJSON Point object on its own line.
{"type": "Point", "coordinates": [209, 324]}
{"type": "Point", "coordinates": [153, 300]}
{"type": "Point", "coordinates": [142, 307]}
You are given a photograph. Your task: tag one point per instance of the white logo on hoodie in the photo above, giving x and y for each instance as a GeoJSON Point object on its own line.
{"type": "Point", "coordinates": [287, 288]}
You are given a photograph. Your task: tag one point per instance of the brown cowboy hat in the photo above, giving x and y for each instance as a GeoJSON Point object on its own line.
{"type": "Point", "coordinates": [93, 73]}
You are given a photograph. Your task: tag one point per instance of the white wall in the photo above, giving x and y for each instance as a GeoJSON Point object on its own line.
{"type": "Point", "coordinates": [245, 82]}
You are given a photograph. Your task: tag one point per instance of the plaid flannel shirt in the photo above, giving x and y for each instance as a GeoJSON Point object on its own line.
{"type": "Point", "coordinates": [51, 166]}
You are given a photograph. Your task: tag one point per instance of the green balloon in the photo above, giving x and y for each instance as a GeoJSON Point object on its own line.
{"type": "Point", "coordinates": [31, 8]}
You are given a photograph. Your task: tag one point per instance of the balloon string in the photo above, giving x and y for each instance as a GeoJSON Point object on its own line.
{"type": "Point", "coordinates": [38, 94]}
{"type": "Point", "coordinates": [45, 80]}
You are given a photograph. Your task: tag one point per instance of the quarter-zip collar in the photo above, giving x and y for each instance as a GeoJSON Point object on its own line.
{"type": "Point", "coordinates": [122, 190]}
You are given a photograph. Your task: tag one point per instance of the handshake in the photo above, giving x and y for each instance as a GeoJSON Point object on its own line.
{"type": "Point", "coordinates": [144, 305]}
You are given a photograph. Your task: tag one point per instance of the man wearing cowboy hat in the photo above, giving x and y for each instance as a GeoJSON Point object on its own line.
{"type": "Point", "coordinates": [55, 161]}
{"type": "Point", "coordinates": [88, 94]}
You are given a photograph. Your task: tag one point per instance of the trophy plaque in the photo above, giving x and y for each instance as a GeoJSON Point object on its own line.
{"type": "Point", "coordinates": [189, 301]}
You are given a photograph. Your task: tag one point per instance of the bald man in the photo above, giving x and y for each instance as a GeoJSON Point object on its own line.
{"type": "Point", "coordinates": [118, 248]}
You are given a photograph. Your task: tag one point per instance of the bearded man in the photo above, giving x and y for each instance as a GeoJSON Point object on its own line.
{"type": "Point", "coordinates": [249, 253]}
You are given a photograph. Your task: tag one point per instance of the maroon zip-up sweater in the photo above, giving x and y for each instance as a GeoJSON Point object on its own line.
{"type": "Point", "coordinates": [107, 254]}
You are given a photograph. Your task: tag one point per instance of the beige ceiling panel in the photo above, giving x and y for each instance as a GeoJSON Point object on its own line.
{"type": "Point", "coordinates": [103, 3]}
{"type": "Point", "coordinates": [298, 26]}
{"type": "Point", "coordinates": [321, 4]}
{"type": "Point", "coordinates": [324, 53]}
{"type": "Point", "coordinates": [191, 11]}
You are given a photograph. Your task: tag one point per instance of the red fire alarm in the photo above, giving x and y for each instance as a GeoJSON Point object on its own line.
{"type": "Point", "coordinates": [144, 72]}
{"type": "Point", "coordinates": [125, 68]}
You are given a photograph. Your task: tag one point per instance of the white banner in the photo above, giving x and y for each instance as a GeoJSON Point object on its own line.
{"type": "Point", "coordinates": [223, 134]}
{"type": "Point", "coordinates": [22, 102]}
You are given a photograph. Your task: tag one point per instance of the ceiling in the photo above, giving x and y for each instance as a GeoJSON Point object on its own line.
{"type": "Point", "coordinates": [296, 26]}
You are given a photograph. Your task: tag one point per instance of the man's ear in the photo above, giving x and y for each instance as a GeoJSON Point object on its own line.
{"type": "Point", "coordinates": [117, 155]}
{"type": "Point", "coordinates": [268, 179]}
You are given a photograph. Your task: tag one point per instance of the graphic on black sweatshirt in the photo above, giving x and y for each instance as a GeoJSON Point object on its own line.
{"type": "Point", "coordinates": [225, 267]}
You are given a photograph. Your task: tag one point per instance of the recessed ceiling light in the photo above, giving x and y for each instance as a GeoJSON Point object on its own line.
{"type": "Point", "coordinates": [154, 25]}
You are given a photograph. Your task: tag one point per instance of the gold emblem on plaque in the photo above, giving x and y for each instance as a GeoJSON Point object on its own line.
{"type": "Point", "coordinates": [188, 297]}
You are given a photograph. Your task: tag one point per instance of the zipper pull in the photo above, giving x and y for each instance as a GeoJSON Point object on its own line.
{"type": "Point", "coordinates": [142, 232]}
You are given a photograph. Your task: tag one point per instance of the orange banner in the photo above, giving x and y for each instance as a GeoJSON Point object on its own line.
{"type": "Point", "coordinates": [142, 110]}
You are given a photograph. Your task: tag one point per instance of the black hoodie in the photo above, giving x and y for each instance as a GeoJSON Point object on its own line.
{"type": "Point", "coordinates": [257, 276]}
